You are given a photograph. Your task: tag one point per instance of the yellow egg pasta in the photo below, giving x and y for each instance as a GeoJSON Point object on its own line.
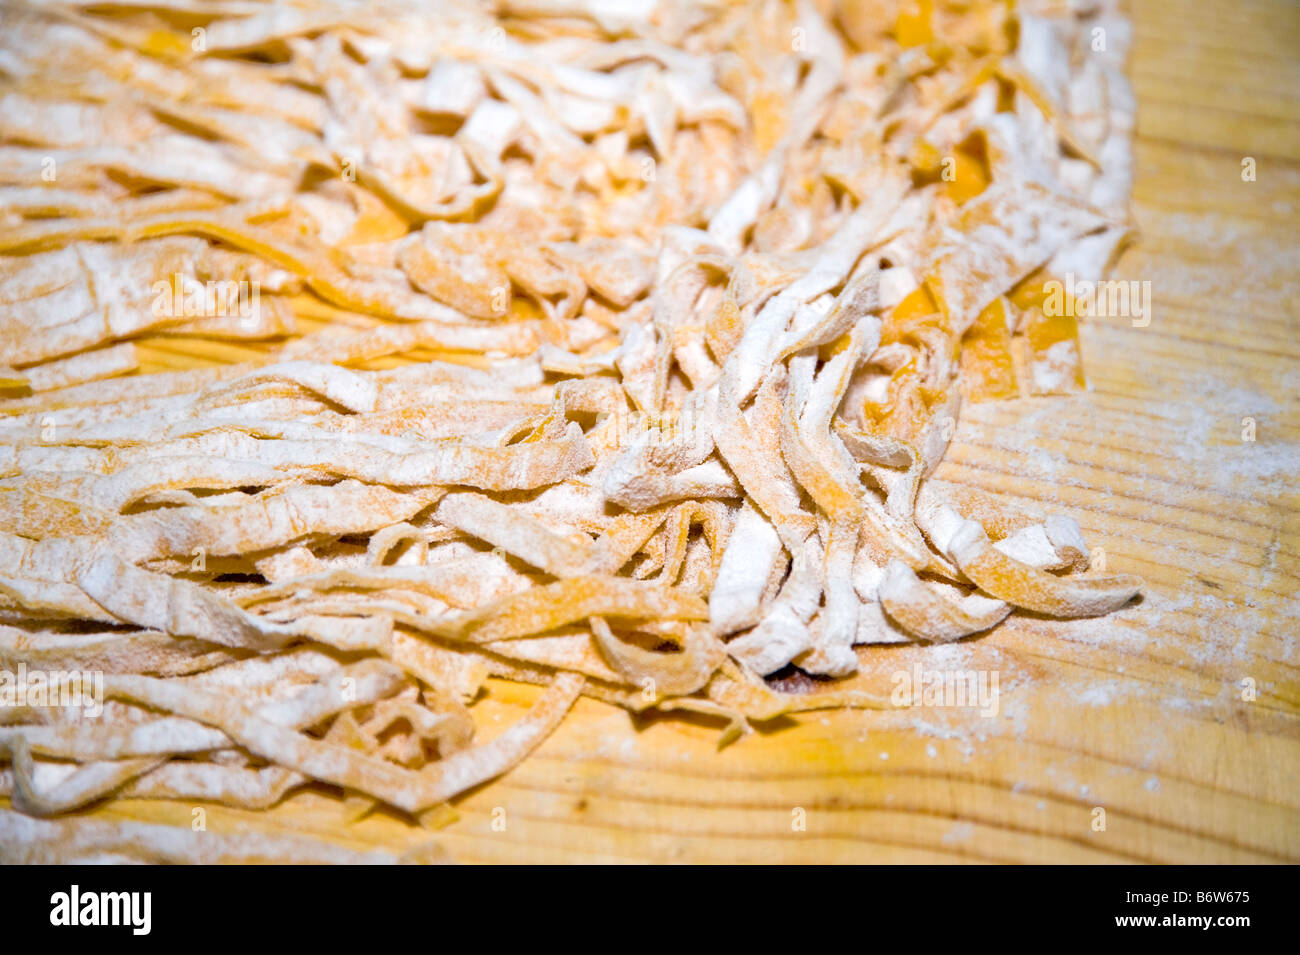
{"type": "Point", "coordinates": [352, 354]}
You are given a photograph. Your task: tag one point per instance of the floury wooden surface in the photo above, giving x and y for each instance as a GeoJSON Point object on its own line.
{"type": "Point", "coordinates": [1140, 714]}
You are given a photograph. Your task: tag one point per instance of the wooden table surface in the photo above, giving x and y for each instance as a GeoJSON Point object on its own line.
{"type": "Point", "coordinates": [1178, 717]}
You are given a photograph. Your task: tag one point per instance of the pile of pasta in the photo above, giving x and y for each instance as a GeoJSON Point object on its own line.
{"type": "Point", "coordinates": [606, 346]}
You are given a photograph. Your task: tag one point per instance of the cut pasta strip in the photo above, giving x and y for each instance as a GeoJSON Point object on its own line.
{"type": "Point", "coordinates": [1024, 586]}
{"type": "Point", "coordinates": [27, 841]}
{"type": "Point", "coordinates": [404, 789]}
{"type": "Point", "coordinates": [930, 615]}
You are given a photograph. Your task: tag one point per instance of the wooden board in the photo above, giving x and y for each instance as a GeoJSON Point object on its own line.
{"type": "Point", "coordinates": [1141, 714]}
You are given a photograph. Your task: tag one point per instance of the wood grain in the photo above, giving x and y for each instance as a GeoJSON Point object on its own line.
{"type": "Point", "coordinates": [1140, 714]}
